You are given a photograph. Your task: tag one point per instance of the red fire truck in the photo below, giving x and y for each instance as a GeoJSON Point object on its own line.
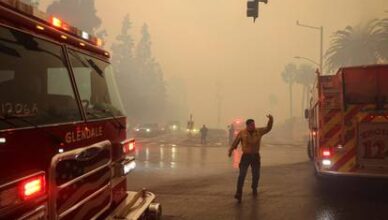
{"type": "Point", "coordinates": [348, 120]}
{"type": "Point", "coordinates": [64, 153]}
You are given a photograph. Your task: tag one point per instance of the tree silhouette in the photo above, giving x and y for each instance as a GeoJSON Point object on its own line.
{"type": "Point", "coordinates": [383, 44]}
{"type": "Point", "coordinates": [357, 45]}
{"type": "Point", "coordinates": [305, 76]}
{"type": "Point", "coordinates": [153, 93]}
{"type": "Point", "coordinates": [79, 13]}
{"type": "Point", "coordinates": [123, 63]}
{"type": "Point", "coordinates": [289, 76]}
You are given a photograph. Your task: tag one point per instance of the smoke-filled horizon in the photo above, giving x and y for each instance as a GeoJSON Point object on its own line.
{"type": "Point", "coordinates": [211, 45]}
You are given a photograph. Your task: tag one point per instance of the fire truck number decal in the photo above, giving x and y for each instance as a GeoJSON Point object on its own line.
{"type": "Point", "coordinates": [19, 108]}
{"type": "Point", "coordinates": [374, 150]}
{"type": "Point", "coordinates": [373, 140]}
{"type": "Point", "coordinates": [84, 134]}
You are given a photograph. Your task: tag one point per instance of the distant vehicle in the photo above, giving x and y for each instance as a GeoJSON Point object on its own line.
{"type": "Point", "coordinates": [193, 131]}
{"type": "Point", "coordinates": [174, 126]}
{"type": "Point", "coordinates": [64, 150]}
{"type": "Point", "coordinates": [149, 129]}
{"type": "Point", "coordinates": [348, 121]}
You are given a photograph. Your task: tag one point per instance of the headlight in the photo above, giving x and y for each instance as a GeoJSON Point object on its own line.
{"type": "Point", "coordinates": [137, 129]}
{"type": "Point", "coordinates": [129, 167]}
{"type": "Point", "coordinates": [148, 130]}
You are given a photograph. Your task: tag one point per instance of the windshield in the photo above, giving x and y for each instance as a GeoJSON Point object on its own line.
{"type": "Point", "coordinates": [366, 85]}
{"type": "Point", "coordinates": [96, 85]}
{"type": "Point", "coordinates": [34, 82]}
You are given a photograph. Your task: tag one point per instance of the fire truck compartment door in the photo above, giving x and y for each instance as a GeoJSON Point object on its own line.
{"type": "Point", "coordinates": [373, 145]}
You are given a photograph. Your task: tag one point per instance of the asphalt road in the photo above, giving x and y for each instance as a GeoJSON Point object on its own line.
{"type": "Point", "coordinates": [198, 182]}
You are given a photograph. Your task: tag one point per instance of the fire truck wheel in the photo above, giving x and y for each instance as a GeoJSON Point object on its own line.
{"type": "Point", "coordinates": [310, 150]}
{"type": "Point", "coordinates": [154, 211]}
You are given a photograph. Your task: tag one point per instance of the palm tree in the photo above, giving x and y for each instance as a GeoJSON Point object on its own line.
{"type": "Point", "coordinates": [305, 76]}
{"type": "Point", "coordinates": [358, 45]}
{"type": "Point", "coordinates": [383, 45]}
{"type": "Point", "coordinates": [289, 76]}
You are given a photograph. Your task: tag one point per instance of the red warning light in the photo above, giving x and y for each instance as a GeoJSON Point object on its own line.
{"type": "Point", "coordinates": [32, 187]}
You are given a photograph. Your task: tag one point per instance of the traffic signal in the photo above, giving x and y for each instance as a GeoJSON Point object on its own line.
{"type": "Point", "coordinates": [253, 9]}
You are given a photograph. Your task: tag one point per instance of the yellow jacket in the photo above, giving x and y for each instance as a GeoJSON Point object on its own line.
{"type": "Point", "coordinates": [251, 141]}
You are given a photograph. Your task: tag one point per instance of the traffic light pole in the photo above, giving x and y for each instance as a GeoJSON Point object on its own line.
{"type": "Point", "coordinates": [253, 8]}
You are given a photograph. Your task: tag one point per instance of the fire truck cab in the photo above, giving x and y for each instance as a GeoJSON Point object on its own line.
{"type": "Point", "coordinates": [348, 121]}
{"type": "Point", "coordinates": [64, 153]}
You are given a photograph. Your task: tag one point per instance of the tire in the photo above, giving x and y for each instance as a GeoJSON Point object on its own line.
{"type": "Point", "coordinates": [310, 151]}
{"type": "Point", "coordinates": [154, 212]}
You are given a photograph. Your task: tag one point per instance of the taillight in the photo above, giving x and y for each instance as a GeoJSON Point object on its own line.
{"type": "Point", "coordinates": [128, 146]}
{"type": "Point", "coordinates": [32, 187]}
{"type": "Point", "coordinates": [326, 152]}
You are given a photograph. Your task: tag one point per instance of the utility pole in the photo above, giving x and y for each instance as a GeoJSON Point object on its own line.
{"type": "Point", "coordinates": [320, 28]}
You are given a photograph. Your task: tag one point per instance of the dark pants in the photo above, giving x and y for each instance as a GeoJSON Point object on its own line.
{"type": "Point", "coordinates": [203, 139]}
{"type": "Point", "coordinates": [247, 160]}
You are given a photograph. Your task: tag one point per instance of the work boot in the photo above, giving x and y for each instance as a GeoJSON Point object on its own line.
{"type": "Point", "coordinates": [254, 192]}
{"type": "Point", "coordinates": [238, 196]}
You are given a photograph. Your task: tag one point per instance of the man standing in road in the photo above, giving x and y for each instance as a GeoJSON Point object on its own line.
{"type": "Point", "coordinates": [250, 139]}
{"type": "Point", "coordinates": [203, 131]}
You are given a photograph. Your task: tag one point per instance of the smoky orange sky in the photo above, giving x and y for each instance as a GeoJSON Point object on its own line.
{"type": "Point", "coordinates": [205, 42]}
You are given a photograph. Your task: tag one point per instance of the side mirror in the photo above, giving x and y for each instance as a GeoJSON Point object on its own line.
{"type": "Point", "coordinates": [306, 114]}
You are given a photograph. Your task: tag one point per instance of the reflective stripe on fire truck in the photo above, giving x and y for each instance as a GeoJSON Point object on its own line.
{"type": "Point", "coordinates": [347, 161]}
{"type": "Point", "coordinates": [331, 137]}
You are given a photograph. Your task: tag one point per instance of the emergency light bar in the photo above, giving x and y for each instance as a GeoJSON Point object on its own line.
{"type": "Point", "coordinates": [56, 22]}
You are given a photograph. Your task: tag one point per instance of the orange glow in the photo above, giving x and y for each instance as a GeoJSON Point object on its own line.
{"type": "Point", "coordinates": [131, 146]}
{"type": "Point", "coordinates": [99, 42]}
{"type": "Point", "coordinates": [236, 158]}
{"type": "Point", "coordinates": [56, 22]}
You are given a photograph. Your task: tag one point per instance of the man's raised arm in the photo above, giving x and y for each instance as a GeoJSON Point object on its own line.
{"type": "Point", "coordinates": [269, 125]}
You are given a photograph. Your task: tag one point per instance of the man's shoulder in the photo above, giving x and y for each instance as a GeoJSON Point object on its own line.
{"type": "Point", "coordinates": [243, 131]}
